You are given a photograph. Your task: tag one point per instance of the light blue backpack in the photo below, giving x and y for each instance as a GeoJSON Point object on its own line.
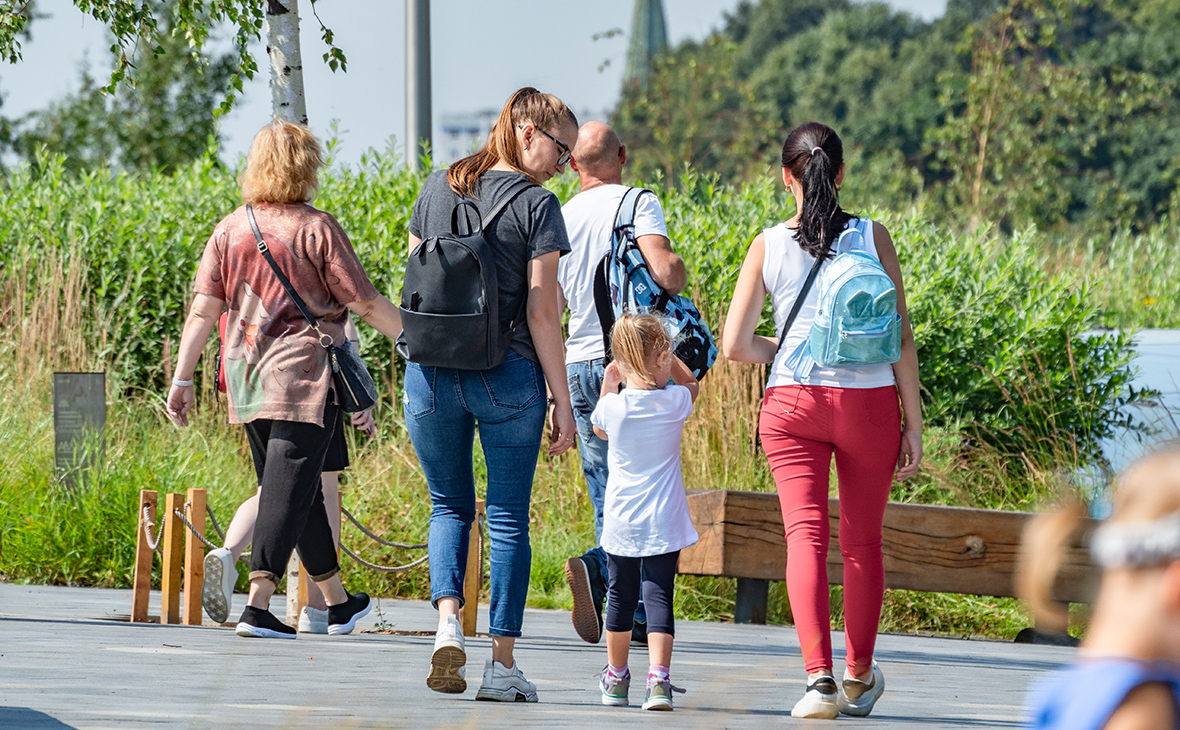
{"type": "Point", "coordinates": [857, 321]}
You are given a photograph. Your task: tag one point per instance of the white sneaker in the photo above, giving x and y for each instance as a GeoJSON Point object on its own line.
{"type": "Point", "coordinates": [505, 685]}
{"type": "Point", "coordinates": [448, 663]}
{"type": "Point", "coordinates": [313, 620]}
{"type": "Point", "coordinates": [217, 592]}
{"type": "Point", "coordinates": [856, 697]}
{"type": "Point", "coordinates": [819, 702]}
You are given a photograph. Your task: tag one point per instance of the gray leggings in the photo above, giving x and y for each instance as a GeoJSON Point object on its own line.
{"type": "Point", "coordinates": [656, 576]}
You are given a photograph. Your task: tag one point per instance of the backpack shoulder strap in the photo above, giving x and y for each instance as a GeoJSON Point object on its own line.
{"type": "Point", "coordinates": [632, 194]}
{"type": "Point", "coordinates": [506, 197]}
{"type": "Point", "coordinates": [799, 302]}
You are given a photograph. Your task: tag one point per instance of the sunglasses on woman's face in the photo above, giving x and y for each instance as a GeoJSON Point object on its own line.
{"type": "Point", "coordinates": [565, 155]}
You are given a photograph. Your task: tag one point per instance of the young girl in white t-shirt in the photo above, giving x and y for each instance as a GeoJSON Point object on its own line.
{"type": "Point", "coordinates": [645, 520]}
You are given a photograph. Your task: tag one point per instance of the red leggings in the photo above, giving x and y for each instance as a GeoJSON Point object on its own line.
{"type": "Point", "coordinates": [801, 426]}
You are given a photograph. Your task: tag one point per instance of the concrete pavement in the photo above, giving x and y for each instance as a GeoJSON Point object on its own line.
{"type": "Point", "coordinates": [65, 664]}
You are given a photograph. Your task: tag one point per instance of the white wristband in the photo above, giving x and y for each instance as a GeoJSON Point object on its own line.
{"type": "Point", "coordinates": [182, 383]}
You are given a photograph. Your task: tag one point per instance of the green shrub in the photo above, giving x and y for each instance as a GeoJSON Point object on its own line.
{"type": "Point", "coordinates": [1000, 340]}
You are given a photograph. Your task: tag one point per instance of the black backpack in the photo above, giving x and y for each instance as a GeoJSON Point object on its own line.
{"type": "Point", "coordinates": [450, 296]}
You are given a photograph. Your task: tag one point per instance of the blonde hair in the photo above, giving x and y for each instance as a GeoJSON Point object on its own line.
{"type": "Point", "coordinates": [282, 166]}
{"type": "Point", "coordinates": [1147, 491]}
{"type": "Point", "coordinates": [635, 338]}
{"type": "Point", "coordinates": [525, 106]}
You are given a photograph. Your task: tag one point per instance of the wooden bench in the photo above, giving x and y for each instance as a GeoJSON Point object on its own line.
{"type": "Point", "coordinates": [927, 548]}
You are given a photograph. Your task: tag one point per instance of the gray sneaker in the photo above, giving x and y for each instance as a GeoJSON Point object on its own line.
{"type": "Point", "coordinates": [505, 685]}
{"type": "Point", "coordinates": [614, 689]}
{"type": "Point", "coordinates": [217, 592]}
{"type": "Point", "coordinates": [448, 663]}
{"type": "Point", "coordinates": [659, 695]}
{"type": "Point", "coordinates": [857, 698]}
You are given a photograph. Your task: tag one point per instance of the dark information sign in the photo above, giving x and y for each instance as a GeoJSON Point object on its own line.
{"type": "Point", "coordinates": [79, 415]}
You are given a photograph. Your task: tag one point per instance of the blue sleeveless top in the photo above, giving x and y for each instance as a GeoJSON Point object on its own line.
{"type": "Point", "coordinates": [1084, 696]}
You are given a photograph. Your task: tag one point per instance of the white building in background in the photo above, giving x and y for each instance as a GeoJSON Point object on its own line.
{"type": "Point", "coordinates": [464, 133]}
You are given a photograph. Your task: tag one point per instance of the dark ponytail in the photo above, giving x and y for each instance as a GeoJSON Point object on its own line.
{"type": "Point", "coordinates": [814, 154]}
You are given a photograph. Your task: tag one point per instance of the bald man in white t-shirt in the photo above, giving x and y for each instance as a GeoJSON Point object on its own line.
{"type": "Point", "coordinates": [590, 218]}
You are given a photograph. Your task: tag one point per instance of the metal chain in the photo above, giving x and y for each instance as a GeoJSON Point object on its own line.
{"type": "Point", "coordinates": [382, 568]}
{"type": "Point", "coordinates": [383, 541]}
{"type": "Point", "coordinates": [154, 544]}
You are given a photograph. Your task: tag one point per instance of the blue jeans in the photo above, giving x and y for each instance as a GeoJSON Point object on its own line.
{"type": "Point", "coordinates": [585, 383]}
{"type": "Point", "coordinates": [442, 408]}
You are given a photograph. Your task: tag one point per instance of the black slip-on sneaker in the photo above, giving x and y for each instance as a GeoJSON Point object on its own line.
{"type": "Point", "coordinates": [259, 624]}
{"type": "Point", "coordinates": [342, 618]}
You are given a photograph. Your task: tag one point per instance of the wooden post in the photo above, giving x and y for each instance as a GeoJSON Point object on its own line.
{"type": "Point", "coordinates": [303, 583]}
{"type": "Point", "coordinates": [172, 571]}
{"type": "Point", "coordinates": [194, 558]}
{"type": "Point", "coordinates": [474, 576]}
{"type": "Point", "coordinates": [750, 605]}
{"type": "Point", "coordinates": [296, 597]}
{"type": "Point", "coordinates": [141, 586]}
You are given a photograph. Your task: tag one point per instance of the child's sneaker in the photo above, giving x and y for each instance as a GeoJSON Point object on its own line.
{"type": "Point", "coordinates": [819, 702]}
{"type": "Point", "coordinates": [856, 697]}
{"type": "Point", "coordinates": [448, 672]}
{"type": "Point", "coordinates": [659, 694]}
{"type": "Point", "coordinates": [614, 689]}
{"type": "Point", "coordinates": [217, 592]}
{"type": "Point", "coordinates": [343, 617]}
{"type": "Point", "coordinates": [313, 620]}
{"type": "Point", "coordinates": [260, 624]}
{"type": "Point", "coordinates": [505, 685]}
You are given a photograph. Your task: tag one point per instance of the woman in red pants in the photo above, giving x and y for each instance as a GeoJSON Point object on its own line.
{"type": "Point", "coordinates": [850, 412]}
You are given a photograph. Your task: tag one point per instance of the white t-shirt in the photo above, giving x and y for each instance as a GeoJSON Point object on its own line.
{"type": "Point", "coordinates": [784, 270]}
{"type": "Point", "coordinates": [646, 508]}
{"type": "Point", "coordinates": [589, 220]}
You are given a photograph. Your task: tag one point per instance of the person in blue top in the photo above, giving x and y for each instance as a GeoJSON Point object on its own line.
{"type": "Point", "coordinates": [1127, 672]}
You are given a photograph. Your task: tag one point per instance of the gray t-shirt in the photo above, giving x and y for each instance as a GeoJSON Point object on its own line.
{"type": "Point", "coordinates": [530, 226]}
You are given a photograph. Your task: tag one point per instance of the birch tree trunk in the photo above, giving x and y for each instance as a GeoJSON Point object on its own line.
{"type": "Point", "coordinates": [286, 63]}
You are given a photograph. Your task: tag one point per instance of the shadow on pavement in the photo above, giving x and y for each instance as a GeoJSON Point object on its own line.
{"type": "Point", "coordinates": [26, 719]}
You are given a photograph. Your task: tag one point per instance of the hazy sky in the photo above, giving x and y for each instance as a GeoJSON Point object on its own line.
{"type": "Point", "coordinates": [481, 52]}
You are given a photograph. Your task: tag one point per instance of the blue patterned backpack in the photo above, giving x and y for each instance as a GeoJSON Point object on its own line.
{"type": "Point", "coordinates": [623, 284]}
{"type": "Point", "coordinates": [856, 322]}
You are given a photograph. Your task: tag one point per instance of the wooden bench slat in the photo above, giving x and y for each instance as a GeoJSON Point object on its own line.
{"type": "Point", "coordinates": [926, 548]}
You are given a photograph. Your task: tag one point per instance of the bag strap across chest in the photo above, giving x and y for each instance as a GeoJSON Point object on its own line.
{"type": "Point", "coordinates": [325, 340]}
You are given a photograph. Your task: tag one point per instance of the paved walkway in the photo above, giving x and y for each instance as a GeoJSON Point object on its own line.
{"type": "Point", "coordinates": [63, 664]}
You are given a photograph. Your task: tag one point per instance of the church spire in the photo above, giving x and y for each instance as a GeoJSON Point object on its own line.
{"type": "Point", "coordinates": [649, 38]}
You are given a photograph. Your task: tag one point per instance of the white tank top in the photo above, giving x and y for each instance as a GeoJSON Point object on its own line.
{"type": "Point", "coordinates": [784, 269]}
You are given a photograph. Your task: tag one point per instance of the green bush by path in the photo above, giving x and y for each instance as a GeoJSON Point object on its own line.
{"type": "Point", "coordinates": [999, 337]}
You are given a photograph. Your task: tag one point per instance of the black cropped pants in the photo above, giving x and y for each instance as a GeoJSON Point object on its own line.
{"type": "Point", "coordinates": [288, 457]}
{"type": "Point", "coordinates": [655, 577]}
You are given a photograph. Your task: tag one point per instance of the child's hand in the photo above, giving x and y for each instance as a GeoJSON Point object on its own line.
{"type": "Point", "coordinates": [364, 421]}
{"type": "Point", "coordinates": [611, 379]}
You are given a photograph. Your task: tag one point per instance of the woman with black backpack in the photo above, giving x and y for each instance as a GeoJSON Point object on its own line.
{"type": "Point", "coordinates": [496, 193]}
{"type": "Point", "coordinates": [834, 387]}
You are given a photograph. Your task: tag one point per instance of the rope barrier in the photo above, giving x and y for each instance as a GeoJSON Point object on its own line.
{"type": "Point", "coordinates": [213, 519]}
{"type": "Point", "coordinates": [146, 522]}
{"type": "Point", "coordinates": [382, 568]}
{"type": "Point", "coordinates": [383, 541]}
{"type": "Point", "coordinates": [181, 514]}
